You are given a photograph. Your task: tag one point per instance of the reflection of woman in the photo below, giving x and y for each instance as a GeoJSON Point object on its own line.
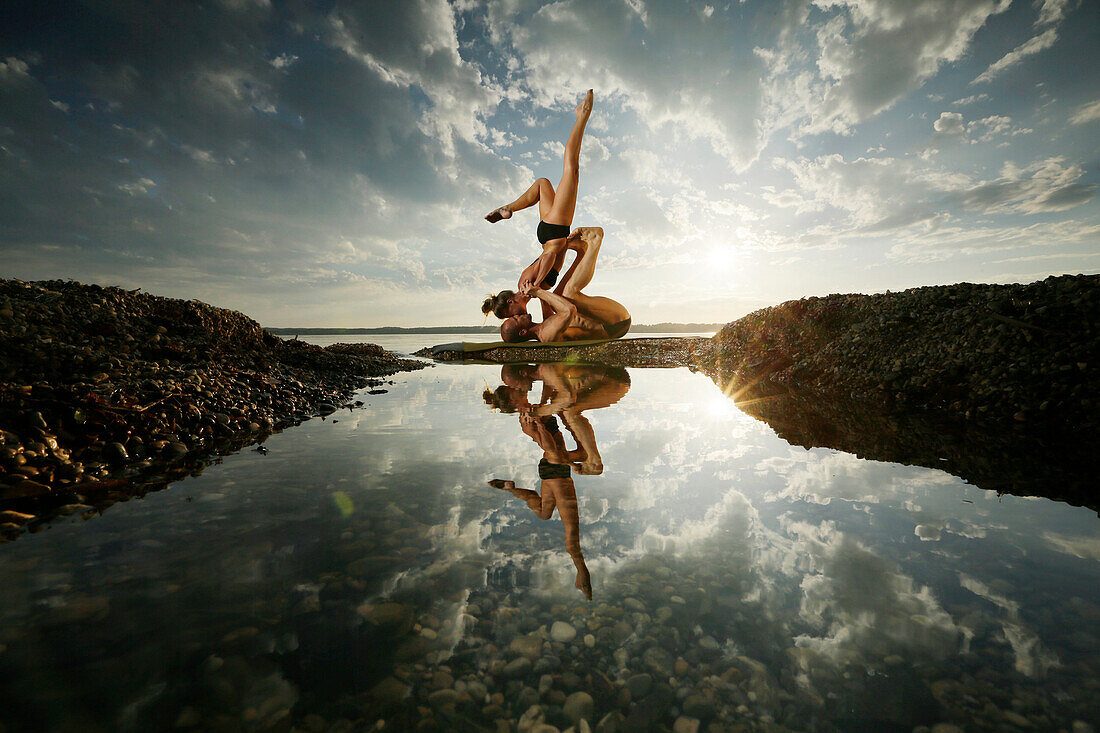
{"type": "Point", "coordinates": [568, 390]}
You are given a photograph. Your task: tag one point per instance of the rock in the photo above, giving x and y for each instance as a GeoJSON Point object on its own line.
{"type": "Point", "coordinates": [518, 667]}
{"type": "Point", "coordinates": [1080, 726]}
{"type": "Point", "coordinates": [698, 706]}
{"type": "Point", "coordinates": [639, 685]}
{"type": "Point", "coordinates": [188, 718]}
{"type": "Point", "coordinates": [589, 640]}
{"type": "Point", "coordinates": [579, 705]}
{"type": "Point", "coordinates": [946, 728]}
{"type": "Point", "coordinates": [390, 691]}
{"type": "Point", "coordinates": [685, 724]}
{"type": "Point", "coordinates": [659, 660]}
{"type": "Point", "coordinates": [613, 722]}
{"type": "Point", "coordinates": [562, 632]}
{"type": "Point", "coordinates": [533, 716]}
{"type": "Point", "coordinates": [393, 617]}
{"type": "Point", "coordinates": [441, 698]}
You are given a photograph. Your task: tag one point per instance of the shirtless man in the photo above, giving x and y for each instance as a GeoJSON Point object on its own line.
{"type": "Point", "coordinates": [573, 316]}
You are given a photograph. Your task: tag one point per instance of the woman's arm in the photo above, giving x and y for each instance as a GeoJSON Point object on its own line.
{"type": "Point", "coordinates": [537, 271]}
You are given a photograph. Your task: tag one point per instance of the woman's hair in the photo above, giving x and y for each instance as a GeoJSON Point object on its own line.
{"type": "Point", "coordinates": [500, 398]}
{"type": "Point", "coordinates": [498, 304]}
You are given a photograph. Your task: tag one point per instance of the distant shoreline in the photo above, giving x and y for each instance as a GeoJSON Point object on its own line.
{"type": "Point", "coordinates": [642, 328]}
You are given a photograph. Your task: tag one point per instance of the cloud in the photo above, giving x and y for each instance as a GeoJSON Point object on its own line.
{"type": "Point", "coordinates": [1086, 113]}
{"type": "Point", "coordinates": [629, 54]}
{"type": "Point", "coordinates": [871, 53]}
{"type": "Point", "coordinates": [1030, 47]}
{"type": "Point", "coordinates": [949, 123]}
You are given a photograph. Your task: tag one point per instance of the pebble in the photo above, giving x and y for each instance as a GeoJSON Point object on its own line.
{"type": "Point", "coordinates": [579, 705]}
{"type": "Point", "coordinates": [562, 632]}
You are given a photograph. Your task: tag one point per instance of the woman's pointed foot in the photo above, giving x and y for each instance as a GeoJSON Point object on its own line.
{"type": "Point", "coordinates": [497, 214]}
{"type": "Point", "coordinates": [585, 107]}
{"type": "Point", "coordinates": [506, 485]}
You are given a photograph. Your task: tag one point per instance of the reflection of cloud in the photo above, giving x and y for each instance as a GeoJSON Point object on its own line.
{"type": "Point", "coordinates": [1086, 548]}
{"type": "Point", "coordinates": [1032, 658]}
{"type": "Point", "coordinates": [860, 605]}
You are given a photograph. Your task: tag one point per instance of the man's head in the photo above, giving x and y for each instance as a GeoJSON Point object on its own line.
{"type": "Point", "coordinates": [518, 328]}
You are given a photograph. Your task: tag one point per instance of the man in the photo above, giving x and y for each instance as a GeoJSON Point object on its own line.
{"type": "Point", "coordinates": [573, 316]}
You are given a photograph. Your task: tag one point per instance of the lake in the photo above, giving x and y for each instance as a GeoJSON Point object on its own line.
{"type": "Point", "coordinates": [426, 561]}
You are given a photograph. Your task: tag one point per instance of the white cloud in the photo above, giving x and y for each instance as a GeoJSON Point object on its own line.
{"type": "Point", "coordinates": [871, 53]}
{"type": "Point", "coordinates": [141, 186]}
{"type": "Point", "coordinates": [988, 128]}
{"type": "Point", "coordinates": [972, 99]}
{"type": "Point", "coordinates": [1086, 113]}
{"type": "Point", "coordinates": [949, 123]}
{"type": "Point", "coordinates": [1029, 47]}
{"type": "Point", "coordinates": [417, 45]}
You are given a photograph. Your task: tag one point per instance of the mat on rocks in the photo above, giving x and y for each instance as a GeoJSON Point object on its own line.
{"type": "Point", "coordinates": [468, 347]}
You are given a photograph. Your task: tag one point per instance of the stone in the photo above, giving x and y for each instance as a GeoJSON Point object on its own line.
{"type": "Point", "coordinates": [659, 660]}
{"type": "Point", "coordinates": [613, 722]}
{"type": "Point", "coordinates": [639, 685]}
{"type": "Point", "coordinates": [533, 716]}
{"type": "Point", "coordinates": [441, 698]}
{"type": "Point", "coordinates": [579, 705]}
{"type": "Point", "coordinates": [389, 616]}
{"type": "Point", "coordinates": [562, 632]}
{"type": "Point", "coordinates": [685, 724]}
{"type": "Point", "coordinates": [517, 667]}
{"type": "Point", "coordinates": [390, 691]}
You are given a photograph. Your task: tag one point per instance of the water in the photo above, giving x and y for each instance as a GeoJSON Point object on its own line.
{"type": "Point", "coordinates": [364, 570]}
{"type": "Point", "coordinates": [407, 343]}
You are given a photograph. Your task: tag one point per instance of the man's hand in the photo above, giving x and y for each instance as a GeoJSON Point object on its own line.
{"type": "Point", "coordinates": [528, 288]}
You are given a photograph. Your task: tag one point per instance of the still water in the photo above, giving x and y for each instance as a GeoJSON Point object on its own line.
{"type": "Point", "coordinates": [426, 562]}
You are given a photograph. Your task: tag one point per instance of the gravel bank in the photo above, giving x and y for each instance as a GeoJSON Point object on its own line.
{"type": "Point", "coordinates": [1023, 354]}
{"type": "Point", "coordinates": [99, 386]}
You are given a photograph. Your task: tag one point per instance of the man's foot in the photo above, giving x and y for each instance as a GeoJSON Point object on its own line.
{"type": "Point", "coordinates": [496, 215]}
{"type": "Point", "coordinates": [591, 236]}
{"type": "Point", "coordinates": [505, 485]}
{"type": "Point", "coordinates": [576, 243]}
{"type": "Point", "coordinates": [585, 107]}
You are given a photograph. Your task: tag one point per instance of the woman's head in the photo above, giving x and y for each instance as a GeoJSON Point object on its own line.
{"type": "Point", "coordinates": [505, 303]}
{"type": "Point", "coordinates": [503, 398]}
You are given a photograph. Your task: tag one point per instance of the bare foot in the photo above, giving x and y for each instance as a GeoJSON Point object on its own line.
{"type": "Point", "coordinates": [591, 236]}
{"type": "Point", "coordinates": [576, 243]}
{"type": "Point", "coordinates": [499, 484]}
{"type": "Point", "coordinates": [584, 583]}
{"type": "Point", "coordinates": [585, 107]}
{"type": "Point", "coordinates": [496, 215]}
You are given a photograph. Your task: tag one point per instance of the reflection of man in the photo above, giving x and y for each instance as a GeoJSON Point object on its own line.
{"type": "Point", "coordinates": [567, 391]}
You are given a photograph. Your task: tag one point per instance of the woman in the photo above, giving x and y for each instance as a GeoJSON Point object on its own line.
{"type": "Point", "coordinates": [555, 209]}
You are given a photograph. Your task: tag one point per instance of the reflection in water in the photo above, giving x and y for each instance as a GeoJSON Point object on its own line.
{"type": "Point", "coordinates": [362, 576]}
{"type": "Point", "coordinates": [567, 391]}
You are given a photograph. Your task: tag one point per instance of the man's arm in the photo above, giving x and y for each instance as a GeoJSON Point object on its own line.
{"type": "Point", "coordinates": [553, 327]}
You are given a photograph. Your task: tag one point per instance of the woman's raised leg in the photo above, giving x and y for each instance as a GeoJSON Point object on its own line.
{"type": "Point", "coordinates": [541, 192]}
{"type": "Point", "coordinates": [565, 201]}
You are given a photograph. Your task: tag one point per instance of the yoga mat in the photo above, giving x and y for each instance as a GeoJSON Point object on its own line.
{"type": "Point", "coordinates": [467, 347]}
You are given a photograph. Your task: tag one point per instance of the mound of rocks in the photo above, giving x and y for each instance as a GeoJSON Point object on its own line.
{"type": "Point", "coordinates": [98, 384]}
{"type": "Point", "coordinates": [1026, 354]}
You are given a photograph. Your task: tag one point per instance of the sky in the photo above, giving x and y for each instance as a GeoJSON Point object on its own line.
{"type": "Point", "coordinates": [329, 163]}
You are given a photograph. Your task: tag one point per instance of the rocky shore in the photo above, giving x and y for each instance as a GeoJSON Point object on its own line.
{"type": "Point", "coordinates": [107, 393]}
{"type": "Point", "coordinates": [1010, 353]}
